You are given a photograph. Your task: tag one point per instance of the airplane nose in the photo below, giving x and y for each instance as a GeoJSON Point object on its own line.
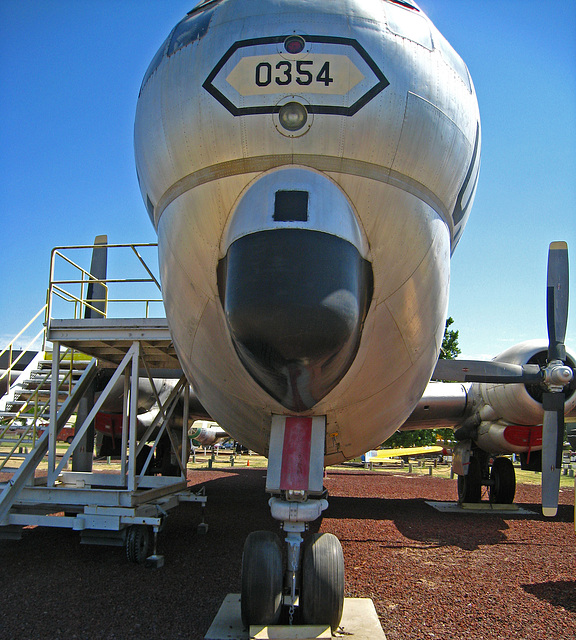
{"type": "Point", "coordinates": [295, 301]}
{"type": "Point", "coordinates": [295, 283]}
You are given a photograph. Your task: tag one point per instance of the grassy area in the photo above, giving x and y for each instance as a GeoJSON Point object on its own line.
{"type": "Point", "coordinates": [445, 471]}
{"type": "Point", "coordinates": [417, 467]}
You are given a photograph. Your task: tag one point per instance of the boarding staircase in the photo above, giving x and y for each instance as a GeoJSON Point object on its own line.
{"type": "Point", "coordinates": [36, 484]}
{"type": "Point", "coordinates": [25, 407]}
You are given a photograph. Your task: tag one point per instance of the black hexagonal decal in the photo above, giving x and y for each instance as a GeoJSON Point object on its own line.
{"type": "Point", "coordinates": [332, 76]}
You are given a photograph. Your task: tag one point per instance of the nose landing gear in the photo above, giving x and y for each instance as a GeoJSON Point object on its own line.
{"type": "Point", "coordinates": [310, 584]}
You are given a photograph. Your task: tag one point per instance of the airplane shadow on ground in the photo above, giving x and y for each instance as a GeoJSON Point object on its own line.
{"type": "Point", "coordinates": [413, 518]}
{"type": "Point", "coordinates": [559, 593]}
{"type": "Point", "coordinates": [418, 521]}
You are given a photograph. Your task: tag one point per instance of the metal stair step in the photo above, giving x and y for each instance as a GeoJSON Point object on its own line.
{"type": "Point", "coordinates": [78, 364]}
{"type": "Point", "coordinates": [41, 377]}
{"type": "Point", "coordinates": [15, 408]}
{"type": "Point", "coordinates": [18, 404]}
{"type": "Point", "coordinates": [23, 445]}
{"type": "Point", "coordinates": [39, 392]}
{"type": "Point", "coordinates": [28, 417]}
{"type": "Point", "coordinates": [15, 403]}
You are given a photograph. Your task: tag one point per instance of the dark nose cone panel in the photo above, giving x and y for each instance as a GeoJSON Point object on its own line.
{"type": "Point", "coordinates": [295, 301]}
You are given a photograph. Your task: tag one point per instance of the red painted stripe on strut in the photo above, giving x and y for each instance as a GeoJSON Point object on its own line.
{"type": "Point", "coordinates": [296, 454]}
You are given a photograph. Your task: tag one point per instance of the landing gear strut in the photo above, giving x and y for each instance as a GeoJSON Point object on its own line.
{"type": "Point", "coordinates": [312, 585]}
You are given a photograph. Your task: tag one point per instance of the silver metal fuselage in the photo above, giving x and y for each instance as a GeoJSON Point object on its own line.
{"type": "Point", "coordinates": [390, 166]}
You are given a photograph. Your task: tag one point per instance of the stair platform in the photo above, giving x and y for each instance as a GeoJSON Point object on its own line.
{"type": "Point", "coordinates": [99, 364]}
{"type": "Point", "coordinates": [108, 339]}
{"type": "Point", "coordinates": [108, 507]}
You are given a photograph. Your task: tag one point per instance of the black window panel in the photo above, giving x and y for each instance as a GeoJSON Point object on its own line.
{"type": "Point", "coordinates": [291, 206]}
{"type": "Point", "coordinates": [193, 27]}
{"type": "Point", "coordinates": [403, 3]}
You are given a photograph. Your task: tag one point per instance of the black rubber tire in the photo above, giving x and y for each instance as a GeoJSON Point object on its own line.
{"type": "Point", "coordinates": [262, 576]}
{"type": "Point", "coordinates": [322, 588]}
{"type": "Point", "coordinates": [137, 543]}
{"type": "Point", "coordinates": [503, 476]}
{"type": "Point", "coordinates": [470, 486]}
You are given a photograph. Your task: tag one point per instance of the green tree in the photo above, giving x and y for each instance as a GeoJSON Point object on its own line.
{"type": "Point", "coordinates": [424, 437]}
{"type": "Point", "coordinates": [418, 438]}
{"type": "Point", "coordinates": [449, 349]}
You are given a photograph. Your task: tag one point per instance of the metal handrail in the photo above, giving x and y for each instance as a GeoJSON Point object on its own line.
{"type": "Point", "coordinates": [73, 289]}
{"type": "Point", "coordinates": [60, 288]}
{"type": "Point", "coordinates": [84, 304]}
{"type": "Point", "coordinates": [39, 408]}
{"type": "Point", "coordinates": [11, 343]}
{"type": "Point", "coordinates": [10, 348]}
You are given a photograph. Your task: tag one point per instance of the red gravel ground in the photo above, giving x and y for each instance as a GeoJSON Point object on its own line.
{"type": "Point", "coordinates": [430, 575]}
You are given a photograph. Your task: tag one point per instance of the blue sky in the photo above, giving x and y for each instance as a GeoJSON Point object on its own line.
{"type": "Point", "coordinates": [69, 80]}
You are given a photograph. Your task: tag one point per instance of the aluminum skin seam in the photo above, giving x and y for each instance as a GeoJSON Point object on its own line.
{"type": "Point", "coordinates": [325, 164]}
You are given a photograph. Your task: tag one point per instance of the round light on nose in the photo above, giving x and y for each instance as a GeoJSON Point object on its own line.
{"type": "Point", "coordinates": [293, 116]}
{"type": "Point", "coordinates": [294, 44]}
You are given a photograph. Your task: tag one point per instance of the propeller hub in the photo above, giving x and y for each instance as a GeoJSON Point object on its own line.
{"type": "Point", "coordinates": [557, 375]}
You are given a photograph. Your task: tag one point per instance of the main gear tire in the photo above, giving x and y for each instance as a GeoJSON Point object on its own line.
{"type": "Point", "coordinates": [503, 485]}
{"type": "Point", "coordinates": [470, 485]}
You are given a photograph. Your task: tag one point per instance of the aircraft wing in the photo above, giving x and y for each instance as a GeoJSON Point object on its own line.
{"type": "Point", "coordinates": [443, 404]}
{"type": "Point", "coordinates": [383, 454]}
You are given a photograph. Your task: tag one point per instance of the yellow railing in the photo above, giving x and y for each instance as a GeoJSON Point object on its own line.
{"type": "Point", "coordinates": [70, 295]}
{"type": "Point", "coordinates": [9, 349]}
{"type": "Point", "coordinates": [34, 410]}
{"type": "Point", "coordinates": [69, 283]}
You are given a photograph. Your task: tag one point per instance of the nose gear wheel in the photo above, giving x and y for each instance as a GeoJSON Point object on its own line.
{"type": "Point", "coordinates": [261, 598]}
{"type": "Point", "coordinates": [322, 593]}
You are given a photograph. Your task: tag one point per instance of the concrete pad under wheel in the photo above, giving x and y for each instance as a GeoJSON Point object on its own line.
{"type": "Point", "coordinates": [359, 622]}
{"type": "Point", "coordinates": [286, 632]}
{"type": "Point", "coordinates": [479, 507]}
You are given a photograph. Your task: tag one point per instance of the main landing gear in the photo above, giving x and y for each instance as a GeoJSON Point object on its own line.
{"type": "Point", "coordinates": [482, 470]}
{"type": "Point", "coordinates": [306, 584]}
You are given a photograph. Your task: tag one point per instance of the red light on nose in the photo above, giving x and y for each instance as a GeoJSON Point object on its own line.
{"type": "Point", "coordinates": [294, 44]}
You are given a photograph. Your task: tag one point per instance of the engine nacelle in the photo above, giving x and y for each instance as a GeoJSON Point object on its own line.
{"type": "Point", "coordinates": [501, 438]}
{"type": "Point", "coordinates": [521, 404]}
{"type": "Point", "coordinates": [205, 433]}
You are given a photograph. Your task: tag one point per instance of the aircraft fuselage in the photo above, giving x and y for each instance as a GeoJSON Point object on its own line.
{"type": "Point", "coordinates": [309, 168]}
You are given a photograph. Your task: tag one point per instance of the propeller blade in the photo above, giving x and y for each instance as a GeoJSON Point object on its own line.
{"type": "Point", "coordinates": [557, 300]}
{"type": "Point", "coordinates": [552, 442]}
{"type": "Point", "coordinates": [486, 371]}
